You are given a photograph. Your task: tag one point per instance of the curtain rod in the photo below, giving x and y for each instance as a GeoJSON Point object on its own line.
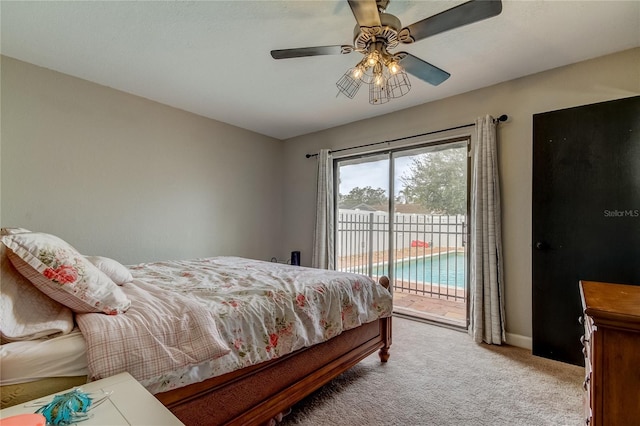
{"type": "Point", "coordinates": [503, 117]}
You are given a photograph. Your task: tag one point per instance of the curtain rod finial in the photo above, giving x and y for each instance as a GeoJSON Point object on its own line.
{"type": "Point", "coordinates": [503, 117]}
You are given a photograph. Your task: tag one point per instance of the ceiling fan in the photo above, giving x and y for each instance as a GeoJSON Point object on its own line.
{"type": "Point", "coordinates": [378, 32]}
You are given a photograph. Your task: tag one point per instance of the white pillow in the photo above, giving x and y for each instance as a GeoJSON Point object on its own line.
{"type": "Point", "coordinates": [25, 312]}
{"type": "Point", "coordinates": [115, 270]}
{"type": "Point", "coordinates": [11, 231]}
{"type": "Point", "coordinates": [59, 271]}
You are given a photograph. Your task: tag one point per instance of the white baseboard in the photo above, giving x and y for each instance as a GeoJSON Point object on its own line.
{"type": "Point", "coordinates": [519, 341]}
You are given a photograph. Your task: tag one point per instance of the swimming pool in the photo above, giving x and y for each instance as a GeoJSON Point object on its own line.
{"type": "Point", "coordinates": [444, 269]}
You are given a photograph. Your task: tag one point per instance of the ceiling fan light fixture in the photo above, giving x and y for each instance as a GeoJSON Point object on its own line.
{"type": "Point", "coordinates": [394, 67]}
{"type": "Point", "coordinates": [378, 77]}
{"type": "Point", "coordinates": [358, 72]}
{"type": "Point", "coordinates": [398, 84]}
{"type": "Point", "coordinates": [378, 94]}
{"type": "Point", "coordinates": [385, 77]}
{"type": "Point", "coordinates": [376, 32]}
{"type": "Point", "coordinates": [373, 58]}
{"type": "Point", "coordinates": [349, 85]}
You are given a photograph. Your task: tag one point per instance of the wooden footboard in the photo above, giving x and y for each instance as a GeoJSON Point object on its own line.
{"type": "Point", "coordinates": [256, 394]}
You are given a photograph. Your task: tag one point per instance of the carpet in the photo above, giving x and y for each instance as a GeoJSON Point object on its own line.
{"type": "Point", "coordinates": [439, 376]}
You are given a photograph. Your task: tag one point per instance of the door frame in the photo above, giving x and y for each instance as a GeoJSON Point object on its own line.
{"type": "Point", "coordinates": [391, 154]}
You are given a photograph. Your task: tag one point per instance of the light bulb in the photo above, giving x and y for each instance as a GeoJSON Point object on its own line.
{"type": "Point", "coordinates": [372, 59]}
{"type": "Point", "coordinates": [357, 72]}
{"type": "Point", "coordinates": [394, 68]}
{"type": "Point", "coordinates": [378, 78]}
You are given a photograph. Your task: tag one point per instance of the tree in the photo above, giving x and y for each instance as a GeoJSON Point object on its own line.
{"type": "Point", "coordinates": [366, 195]}
{"type": "Point", "coordinates": [438, 181]}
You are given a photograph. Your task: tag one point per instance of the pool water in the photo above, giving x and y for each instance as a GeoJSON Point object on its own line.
{"type": "Point", "coordinates": [443, 269]}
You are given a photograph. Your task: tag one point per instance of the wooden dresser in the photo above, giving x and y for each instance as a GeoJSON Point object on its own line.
{"type": "Point", "coordinates": [612, 353]}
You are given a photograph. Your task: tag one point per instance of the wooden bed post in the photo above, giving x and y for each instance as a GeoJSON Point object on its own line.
{"type": "Point", "coordinates": [385, 330]}
{"type": "Point", "coordinates": [385, 326]}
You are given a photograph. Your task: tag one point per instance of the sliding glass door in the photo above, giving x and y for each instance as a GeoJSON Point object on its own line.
{"type": "Point", "coordinates": [362, 219]}
{"type": "Point", "coordinates": [422, 245]}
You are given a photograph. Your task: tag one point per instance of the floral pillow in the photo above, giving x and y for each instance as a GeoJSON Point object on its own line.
{"type": "Point", "coordinates": [59, 271]}
{"type": "Point", "coordinates": [25, 312]}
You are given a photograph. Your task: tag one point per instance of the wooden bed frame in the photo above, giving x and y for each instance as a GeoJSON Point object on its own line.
{"type": "Point", "coordinates": [261, 393]}
{"type": "Point", "coordinates": [258, 394]}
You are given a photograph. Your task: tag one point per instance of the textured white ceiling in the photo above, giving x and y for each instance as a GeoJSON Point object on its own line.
{"type": "Point", "coordinates": [212, 57]}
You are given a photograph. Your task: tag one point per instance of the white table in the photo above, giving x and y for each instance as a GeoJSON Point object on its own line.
{"type": "Point", "coordinates": [129, 404]}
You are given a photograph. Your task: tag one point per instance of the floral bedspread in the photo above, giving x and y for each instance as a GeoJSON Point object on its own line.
{"type": "Point", "coordinates": [161, 331]}
{"type": "Point", "coordinates": [263, 310]}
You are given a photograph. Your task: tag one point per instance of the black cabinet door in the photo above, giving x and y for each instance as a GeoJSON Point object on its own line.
{"type": "Point", "coordinates": [586, 214]}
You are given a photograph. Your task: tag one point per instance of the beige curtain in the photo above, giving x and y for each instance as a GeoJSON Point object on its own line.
{"type": "Point", "coordinates": [323, 239]}
{"type": "Point", "coordinates": [486, 270]}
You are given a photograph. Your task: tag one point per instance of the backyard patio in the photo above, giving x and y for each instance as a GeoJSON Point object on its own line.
{"type": "Point", "coordinates": [450, 312]}
{"type": "Point", "coordinates": [429, 270]}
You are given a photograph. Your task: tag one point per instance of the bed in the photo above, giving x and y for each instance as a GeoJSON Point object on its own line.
{"type": "Point", "coordinates": [221, 340]}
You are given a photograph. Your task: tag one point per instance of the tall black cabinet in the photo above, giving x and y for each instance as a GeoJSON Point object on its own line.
{"type": "Point", "coordinates": [586, 214]}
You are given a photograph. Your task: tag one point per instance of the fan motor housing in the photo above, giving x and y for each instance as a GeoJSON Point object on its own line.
{"type": "Point", "coordinates": [387, 33]}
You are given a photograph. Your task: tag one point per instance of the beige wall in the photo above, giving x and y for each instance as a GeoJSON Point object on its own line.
{"type": "Point", "coordinates": [610, 77]}
{"type": "Point", "coordinates": [125, 177]}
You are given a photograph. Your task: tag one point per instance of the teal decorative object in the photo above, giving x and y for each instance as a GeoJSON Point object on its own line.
{"type": "Point", "coordinates": [70, 407]}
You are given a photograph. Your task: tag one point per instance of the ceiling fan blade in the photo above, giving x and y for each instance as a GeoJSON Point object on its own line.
{"type": "Point", "coordinates": [421, 69]}
{"type": "Point", "coordinates": [365, 12]}
{"type": "Point", "coordinates": [311, 51]}
{"type": "Point", "coordinates": [466, 13]}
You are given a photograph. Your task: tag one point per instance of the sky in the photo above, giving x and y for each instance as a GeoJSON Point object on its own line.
{"type": "Point", "coordinates": [373, 174]}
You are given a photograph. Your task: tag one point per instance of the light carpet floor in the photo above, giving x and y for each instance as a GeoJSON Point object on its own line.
{"type": "Point", "coordinates": [438, 376]}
